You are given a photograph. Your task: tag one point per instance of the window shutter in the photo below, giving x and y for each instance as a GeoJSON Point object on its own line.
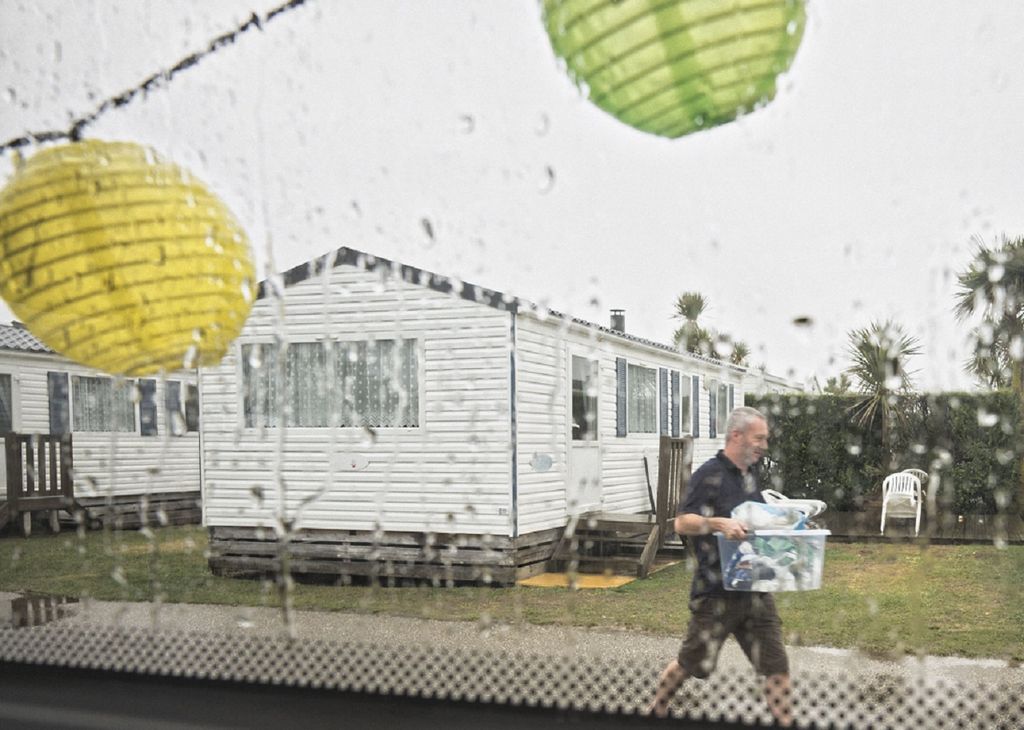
{"type": "Point", "coordinates": [191, 407]}
{"type": "Point", "coordinates": [675, 405]}
{"type": "Point", "coordinates": [620, 396]}
{"type": "Point", "coordinates": [147, 408]}
{"type": "Point", "coordinates": [663, 399]}
{"type": "Point", "coordinates": [60, 408]}
{"type": "Point", "coordinates": [713, 411]}
{"type": "Point", "coordinates": [695, 405]}
{"type": "Point", "coordinates": [731, 397]}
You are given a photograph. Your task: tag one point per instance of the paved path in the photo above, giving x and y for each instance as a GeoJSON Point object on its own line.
{"type": "Point", "coordinates": [572, 667]}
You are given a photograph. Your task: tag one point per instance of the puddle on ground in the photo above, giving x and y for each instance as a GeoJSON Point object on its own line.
{"type": "Point", "coordinates": [33, 609]}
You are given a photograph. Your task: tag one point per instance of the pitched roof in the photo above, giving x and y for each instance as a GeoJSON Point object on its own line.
{"type": "Point", "coordinates": [16, 337]}
{"type": "Point", "coordinates": [446, 285]}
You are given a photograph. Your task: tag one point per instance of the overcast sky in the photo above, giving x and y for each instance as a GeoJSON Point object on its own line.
{"type": "Point", "coordinates": [853, 196]}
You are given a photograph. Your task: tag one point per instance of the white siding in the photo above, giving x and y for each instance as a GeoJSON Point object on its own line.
{"type": "Point", "coordinates": [106, 464]}
{"type": "Point", "coordinates": [543, 347]}
{"type": "Point", "coordinates": [450, 475]}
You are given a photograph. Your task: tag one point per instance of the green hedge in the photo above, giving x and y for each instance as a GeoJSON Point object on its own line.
{"type": "Point", "coordinates": [968, 442]}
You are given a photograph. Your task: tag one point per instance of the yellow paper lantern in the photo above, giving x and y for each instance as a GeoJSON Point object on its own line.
{"type": "Point", "coordinates": [122, 261]}
{"type": "Point", "coordinates": [674, 67]}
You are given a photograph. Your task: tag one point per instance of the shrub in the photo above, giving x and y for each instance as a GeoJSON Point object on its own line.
{"type": "Point", "coordinates": [968, 442]}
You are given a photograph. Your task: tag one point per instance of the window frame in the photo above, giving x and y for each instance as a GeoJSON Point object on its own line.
{"type": "Point", "coordinates": [128, 384]}
{"type": "Point", "coordinates": [416, 337]}
{"type": "Point", "coordinates": [596, 361]}
{"type": "Point", "coordinates": [655, 406]}
{"type": "Point", "coordinates": [12, 380]}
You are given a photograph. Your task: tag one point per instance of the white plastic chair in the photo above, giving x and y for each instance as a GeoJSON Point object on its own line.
{"type": "Point", "coordinates": [901, 497]}
{"type": "Point", "coordinates": [810, 507]}
{"type": "Point", "coordinates": [919, 473]}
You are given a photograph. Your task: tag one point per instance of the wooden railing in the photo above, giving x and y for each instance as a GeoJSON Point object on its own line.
{"type": "Point", "coordinates": [39, 476]}
{"type": "Point", "coordinates": [675, 462]}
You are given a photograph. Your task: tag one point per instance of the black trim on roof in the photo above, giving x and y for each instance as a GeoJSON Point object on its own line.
{"type": "Point", "coordinates": [392, 269]}
{"type": "Point", "coordinates": [446, 285]}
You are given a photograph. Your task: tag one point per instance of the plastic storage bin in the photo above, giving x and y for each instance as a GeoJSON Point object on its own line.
{"type": "Point", "coordinates": [773, 560]}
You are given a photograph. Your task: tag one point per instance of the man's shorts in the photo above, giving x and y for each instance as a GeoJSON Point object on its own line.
{"type": "Point", "coordinates": [750, 617]}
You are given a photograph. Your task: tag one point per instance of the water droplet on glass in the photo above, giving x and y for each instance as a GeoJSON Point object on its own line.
{"type": "Point", "coordinates": [548, 181]}
{"type": "Point", "coordinates": [543, 125]}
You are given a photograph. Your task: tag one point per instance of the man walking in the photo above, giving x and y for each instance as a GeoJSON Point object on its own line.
{"type": "Point", "coordinates": [715, 489]}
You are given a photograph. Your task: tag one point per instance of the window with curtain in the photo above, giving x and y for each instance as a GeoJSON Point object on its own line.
{"type": "Point", "coordinates": [642, 404]}
{"type": "Point", "coordinates": [6, 404]}
{"type": "Point", "coordinates": [259, 385]}
{"type": "Point", "coordinates": [102, 404]}
{"type": "Point", "coordinates": [371, 383]}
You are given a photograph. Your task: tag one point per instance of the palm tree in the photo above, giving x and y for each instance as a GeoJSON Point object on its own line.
{"type": "Point", "coordinates": [879, 371]}
{"type": "Point", "coordinates": [994, 285]}
{"type": "Point", "coordinates": [690, 335]}
{"type": "Point", "coordinates": [740, 353]}
{"type": "Point", "coordinates": [693, 337]}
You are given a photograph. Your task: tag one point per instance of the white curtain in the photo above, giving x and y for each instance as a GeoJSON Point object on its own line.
{"type": "Point", "coordinates": [101, 404]}
{"type": "Point", "coordinates": [643, 400]}
{"type": "Point", "coordinates": [372, 383]}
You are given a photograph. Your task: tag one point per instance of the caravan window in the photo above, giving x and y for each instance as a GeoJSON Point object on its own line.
{"type": "Point", "coordinates": [643, 399]}
{"type": "Point", "coordinates": [372, 383]}
{"type": "Point", "coordinates": [584, 399]}
{"type": "Point", "coordinates": [182, 417]}
{"type": "Point", "coordinates": [6, 404]}
{"type": "Point", "coordinates": [684, 404]}
{"type": "Point", "coordinates": [102, 404]}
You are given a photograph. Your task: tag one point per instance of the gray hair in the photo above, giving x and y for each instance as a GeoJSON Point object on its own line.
{"type": "Point", "coordinates": [741, 418]}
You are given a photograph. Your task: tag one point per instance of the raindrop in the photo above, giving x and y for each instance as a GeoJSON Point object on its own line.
{"type": "Point", "coordinates": [791, 27]}
{"type": "Point", "coordinates": [467, 123]}
{"type": "Point", "coordinates": [9, 95]}
{"type": "Point", "coordinates": [428, 228]}
{"type": "Point", "coordinates": [986, 419]}
{"type": "Point", "coordinates": [548, 182]}
{"type": "Point", "coordinates": [543, 125]}
{"type": "Point", "coordinates": [803, 321]}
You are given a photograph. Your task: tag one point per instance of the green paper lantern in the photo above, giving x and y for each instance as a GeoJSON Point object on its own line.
{"type": "Point", "coordinates": [672, 68]}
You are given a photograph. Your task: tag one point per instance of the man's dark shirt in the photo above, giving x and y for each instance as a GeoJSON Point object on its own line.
{"type": "Point", "coordinates": [715, 489]}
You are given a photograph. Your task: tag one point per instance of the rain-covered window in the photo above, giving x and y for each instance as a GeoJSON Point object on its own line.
{"type": "Point", "coordinates": [432, 315]}
{"type": "Point", "coordinates": [584, 399]}
{"type": "Point", "coordinates": [102, 404]}
{"type": "Point", "coordinates": [6, 403]}
{"type": "Point", "coordinates": [642, 400]}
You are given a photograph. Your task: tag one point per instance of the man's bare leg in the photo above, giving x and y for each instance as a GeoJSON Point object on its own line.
{"type": "Point", "coordinates": [777, 691]}
{"type": "Point", "coordinates": [672, 677]}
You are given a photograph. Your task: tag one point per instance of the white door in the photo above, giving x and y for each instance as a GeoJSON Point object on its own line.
{"type": "Point", "coordinates": [583, 491]}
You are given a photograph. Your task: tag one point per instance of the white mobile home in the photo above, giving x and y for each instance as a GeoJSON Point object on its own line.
{"type": "Point", "coordinates": [135, 443]}
{"type": "Point", "coordinates": [382, 415]}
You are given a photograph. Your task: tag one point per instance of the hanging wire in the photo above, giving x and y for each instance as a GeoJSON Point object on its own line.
{"type": "Point", "coordinates": [158, 80]}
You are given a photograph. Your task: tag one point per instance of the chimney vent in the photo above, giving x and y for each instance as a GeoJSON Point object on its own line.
{"type": "Point", "coordinates": [619, 320]}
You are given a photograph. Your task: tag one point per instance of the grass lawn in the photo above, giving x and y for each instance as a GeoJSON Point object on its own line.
{"type": "Point", "coordinates": [884, 599]}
